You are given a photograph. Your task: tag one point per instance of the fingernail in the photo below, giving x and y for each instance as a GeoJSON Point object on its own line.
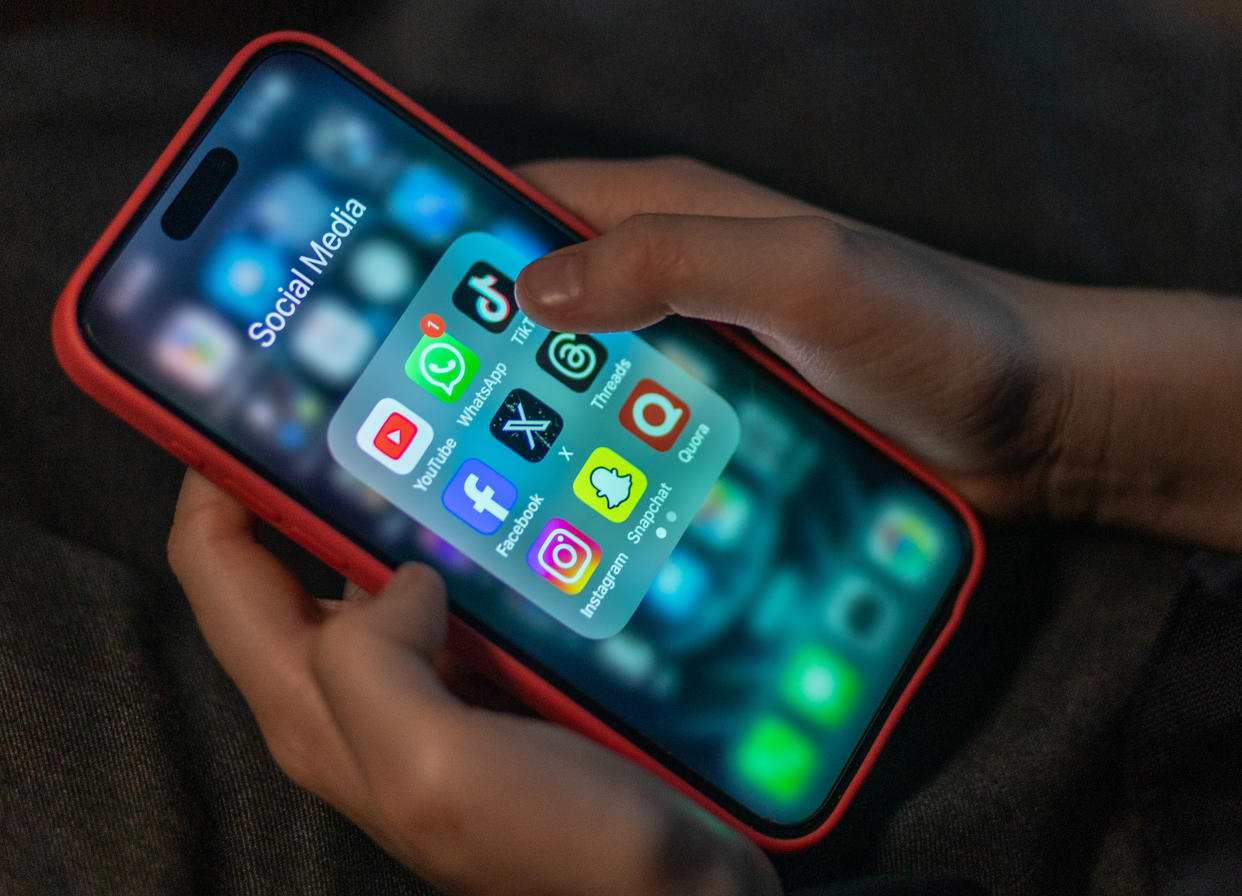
{"type": "Point", "coordinates": [552, 282]}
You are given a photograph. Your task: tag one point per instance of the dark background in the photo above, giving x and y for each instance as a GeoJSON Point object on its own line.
{"type": "Point", "coordinates": [1090, 142]}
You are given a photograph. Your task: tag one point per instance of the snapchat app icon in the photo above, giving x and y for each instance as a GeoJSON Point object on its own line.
{"type": "Point", "coordinates": [609, 484]}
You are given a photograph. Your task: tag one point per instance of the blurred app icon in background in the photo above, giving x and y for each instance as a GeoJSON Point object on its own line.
{"type": "Point", "coordinates": [263, 102]}
{"type": "Point", "coordinates": [630, 659]}
{"type": "Point", "coordinates": [241, 276]}
{"type": "Point", "coordinates": [196, 349]}
{"type": "Point", "coordinates": [860, 614]}
{"type": "Point", "coordinates": [428, 204]}
{"type": "Point", "coordinates": [679, 588]}
{"type": "Point", "coordinates": [331, 340]}
{"type": "Point", "coordinates": [903, 542]}
{"type": "Point", "coordinates": [290, 210]}
{"type": "Point", "coordinates": [821, 685]}
{"type": "Point", "coordinates": [382, 271]}
{"type": "Point", "coordinates": [344, 143]}
{"type": "Point", "coordinates": [776, 759]}
{"type": "Point", "coordinates": [520, 238]}
{"type": "Point", "coordinates": [721, 521]}
{"type": "Point", "coordinates": [440, 552]}
{"type": "Point", "coordinates": [771, 449]}
{"type": "Point", "coordinates": [285, 413]}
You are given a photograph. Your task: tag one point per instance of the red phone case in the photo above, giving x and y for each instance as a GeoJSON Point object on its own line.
{"type": "Point", "coordinates": [197, 451]}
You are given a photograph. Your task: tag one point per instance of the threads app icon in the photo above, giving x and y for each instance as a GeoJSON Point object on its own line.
{"type": "Point", "coordinates": [573, 358]}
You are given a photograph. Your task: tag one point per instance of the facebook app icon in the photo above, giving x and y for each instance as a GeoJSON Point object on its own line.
{"type": "Point", "coordinates": [480, 496]}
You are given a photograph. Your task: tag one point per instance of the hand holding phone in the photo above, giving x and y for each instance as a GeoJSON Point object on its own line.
{"type": "Point", "coordinates": [863, 315]}
{"type": "Point", "coordinates": [663, 539]}
{"type": "Point", "coordinates": [475, 801]}
{"type": "Point", "coordinates": [362, 734]}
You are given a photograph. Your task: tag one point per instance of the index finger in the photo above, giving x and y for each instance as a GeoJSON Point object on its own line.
{"type": "Point", "coordinates": [606, 192]}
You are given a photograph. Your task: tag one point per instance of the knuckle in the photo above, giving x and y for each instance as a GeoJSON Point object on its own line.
{"type": "Point", "coordinates": [647, 252]}
{"type": "Point", "coordinates": [830, 261]}
{"type": "Point", "coordinates": [828, 243]}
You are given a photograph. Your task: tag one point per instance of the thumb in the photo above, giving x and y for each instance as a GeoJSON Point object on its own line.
{"type": "Point", "coordinates": [746, 271]}
{"type": "Point", "coordinates": [835, 299]}
{"type": "Point", "coordinates": [483, 802]}
{"type": "Point", "coordinates": [927, 347]}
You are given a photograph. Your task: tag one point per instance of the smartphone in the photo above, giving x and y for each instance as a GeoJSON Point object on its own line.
{"type": "Point", "coordinates": [663, 539]}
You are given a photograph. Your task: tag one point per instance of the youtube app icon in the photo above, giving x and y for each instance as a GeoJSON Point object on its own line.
{"type": "Point", "coordinates": [395, 436]}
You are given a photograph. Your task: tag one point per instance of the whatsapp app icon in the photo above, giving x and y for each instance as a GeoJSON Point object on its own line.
{"type": "Point", "coordinates": [442, 366]}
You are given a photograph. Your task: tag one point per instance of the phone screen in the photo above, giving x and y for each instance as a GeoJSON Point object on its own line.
{"type": "Point", "coordinates": [653, 522]}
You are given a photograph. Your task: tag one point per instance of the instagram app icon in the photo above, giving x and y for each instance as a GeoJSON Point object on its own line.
{"type": "Point", "coordinates": [564, 556]}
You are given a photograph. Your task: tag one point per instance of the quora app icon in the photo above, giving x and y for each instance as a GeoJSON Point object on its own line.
{"type": "Point", "coordinates": [395, 436]}
{"type": "Point", "coordinates": [655, 415]}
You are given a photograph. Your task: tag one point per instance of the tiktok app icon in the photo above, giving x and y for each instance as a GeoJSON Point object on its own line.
{"type": "Point", "coordinates": [573, 358]}
{"type": "Point", "coordinates": [486, 296]}
{"type": "Point", "coordinates": [479, 496]}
